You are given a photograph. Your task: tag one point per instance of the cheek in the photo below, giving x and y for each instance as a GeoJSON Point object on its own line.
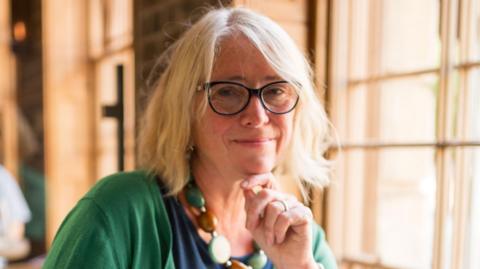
{"type": "Point", "coordinates": [286, 126]}
{"type": "Point", "coordinates": [217, 127]}
{"type": "Point", "coordinates": [211, 131]}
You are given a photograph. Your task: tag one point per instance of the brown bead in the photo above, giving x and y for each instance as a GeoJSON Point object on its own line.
{"type": "Point", "coordinates": [238, 265]}
{"type": "Point", "coordinates": [207, 221]}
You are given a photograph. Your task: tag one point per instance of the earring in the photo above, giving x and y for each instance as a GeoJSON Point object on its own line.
{"type": "Point", "coordinates": [189, 151]}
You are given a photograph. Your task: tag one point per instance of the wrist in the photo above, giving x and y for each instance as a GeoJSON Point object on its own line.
{"type": "Point", "coordinates": [313, 265]}
{"type": "Point", "coordinates": [308, 265]}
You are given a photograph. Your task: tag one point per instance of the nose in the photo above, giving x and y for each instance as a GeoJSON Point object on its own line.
{"type": "Point", "coordinates": [255, 114]}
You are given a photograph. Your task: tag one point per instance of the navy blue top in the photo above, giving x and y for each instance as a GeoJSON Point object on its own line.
{"type": "Point", "coordinates": [189, 249]}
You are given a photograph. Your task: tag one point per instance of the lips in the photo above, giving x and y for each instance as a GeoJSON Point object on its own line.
{"type": "Point", "coordinates": [254, 141]}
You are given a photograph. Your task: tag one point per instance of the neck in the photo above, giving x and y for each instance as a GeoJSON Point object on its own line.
{"type": "Point", "coordinates": [222, 192]}
{"type": "Point", "coordinates": [224, 198]}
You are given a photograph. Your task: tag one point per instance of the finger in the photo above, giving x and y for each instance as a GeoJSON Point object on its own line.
{"type": "Point", "coordinates": [256, 205]}
{"type": "Point", "coordinates": [294, 218]}
{"type": "Point", "coordinates": [265, 180]}
{"type": "Point", "coordinates": [248, 194]}
{"type": "Point", "coordinates": [272, 211]}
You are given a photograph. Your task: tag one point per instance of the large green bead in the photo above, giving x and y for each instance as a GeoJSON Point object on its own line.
{"type": "Point", "coordinates": [258, 260]}
{"type": "Point", "coordinates": [194, 196]}
{"type": "Point", "coordinates": [219, 249]}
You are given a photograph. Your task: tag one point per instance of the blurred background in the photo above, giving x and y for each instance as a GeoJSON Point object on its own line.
{"type": "Point", "coordinates": [400, 81]}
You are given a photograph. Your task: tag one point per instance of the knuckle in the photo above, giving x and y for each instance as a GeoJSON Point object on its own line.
{"type": "Point", "coordinates": [283, 219]}
{"type": "Point", "coordinates": [275, 208]}
{"type": "Point", "coordinates": [263, 194]}
{"type": "Point", "coordinates": [292, 197]}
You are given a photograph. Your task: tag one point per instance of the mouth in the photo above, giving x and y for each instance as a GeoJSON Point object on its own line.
{"type": "Point", "coordinates": [254, 142]}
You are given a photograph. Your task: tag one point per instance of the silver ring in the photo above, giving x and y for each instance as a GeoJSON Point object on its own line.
{"type": "Point", "coordinates": [284, 204]}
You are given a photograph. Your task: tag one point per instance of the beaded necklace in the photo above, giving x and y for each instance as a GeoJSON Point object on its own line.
{"type": "Point", "coordinates": [219, 247]}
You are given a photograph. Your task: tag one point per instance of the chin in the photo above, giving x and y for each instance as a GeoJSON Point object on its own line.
{"type": "Point", "coordinates": [257, 166]}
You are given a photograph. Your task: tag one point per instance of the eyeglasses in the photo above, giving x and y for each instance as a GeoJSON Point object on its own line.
{"type": "Point", "coordinates": [230, 98]}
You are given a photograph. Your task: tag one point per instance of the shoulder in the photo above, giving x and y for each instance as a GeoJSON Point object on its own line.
{"type": "Point", "coordinates": [115, 221]}
{"type": "Point", "coordinates": [126, 188]}
{"type": "Point", "coordinates": [134, 180]}
{"type": "Point", "coordinates": [125, 199]}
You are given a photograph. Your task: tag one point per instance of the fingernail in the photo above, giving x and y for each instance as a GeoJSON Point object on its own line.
{"type": "Point", "coordinates": [244, 184]}
{"type": "Point", "coordinates": [256, 189]}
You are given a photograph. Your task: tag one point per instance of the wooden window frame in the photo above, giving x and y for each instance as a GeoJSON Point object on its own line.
{"type": "Point", "coordinates": [339, 85]}
{"type": "Point", "coordinates": [8, 103]}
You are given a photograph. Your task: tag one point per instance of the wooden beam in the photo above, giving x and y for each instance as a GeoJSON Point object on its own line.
{"type": "Point", "coordinates": [291, 15]}
{"type": "Point", "coordinates": [8, 104]}
{"type": "Point", "coordinates": [68, 104]}
{"type": "Point", "coordinates": [447, 35]}
{"type": "Point", "coordinates": [338, 40]}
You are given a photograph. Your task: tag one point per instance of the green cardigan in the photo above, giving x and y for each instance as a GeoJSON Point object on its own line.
{"type": "Point", "coordinates": [122, 223]}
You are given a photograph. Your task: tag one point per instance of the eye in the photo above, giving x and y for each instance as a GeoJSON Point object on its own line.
{"type": "Point", "coordinates": [276, 91]}
{"type": "Point", "coordinates": [226, 91]}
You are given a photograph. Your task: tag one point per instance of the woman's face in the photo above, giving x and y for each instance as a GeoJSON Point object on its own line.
{"type": "Point", "coordinates": [252, 141]}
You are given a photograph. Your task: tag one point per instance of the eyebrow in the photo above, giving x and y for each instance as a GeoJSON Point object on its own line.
{"type": "Point", "coordinates": [242, 78]}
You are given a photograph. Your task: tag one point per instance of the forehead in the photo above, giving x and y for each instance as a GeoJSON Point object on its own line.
{"type": "Point", "coordinates": [238, 59]}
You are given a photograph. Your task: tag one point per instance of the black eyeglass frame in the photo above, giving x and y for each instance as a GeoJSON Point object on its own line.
{"type": "Point", "coordinates": [251, 91]}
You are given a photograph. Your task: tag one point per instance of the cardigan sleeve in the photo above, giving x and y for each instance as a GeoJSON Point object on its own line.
{"type": "Point", "coordinates": [321, 250]}
{"type": "Point", "coordinates": [84, 241]}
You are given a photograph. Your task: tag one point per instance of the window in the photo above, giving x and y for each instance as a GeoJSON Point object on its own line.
{"type": "Point", "coordinates": [404, 95]}
{"type": "Point", "coordinates": [111, 45]}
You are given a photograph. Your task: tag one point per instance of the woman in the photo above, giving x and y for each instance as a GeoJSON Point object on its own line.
{"type": "Point", "coordinates": [234, 110]}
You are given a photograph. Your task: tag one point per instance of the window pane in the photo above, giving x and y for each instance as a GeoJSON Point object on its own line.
{"type": "Point", "coordinates": [106, 135]}
{"type": "Point", "coordinates": [390, 198]}
{"type": "Point", "coordinates": [402, 110]}
{"type": "Point", "coordinates": [410, 38]}
{"type": "Point", "coordinates": [393, 36]}
{"type": "Point", "coordinates": [472, 248]}
{"type": "Point", "coordinates": [119, 20]}
{"type": "Point", "coordinates": [472, 105]}
{"type": "Point", "coordinates": [360, 41]}
{"type": "Point", "coordinates": [464, 103]}
{"type": "Point", "coordinates": [406, 206]}
{"type": "Point", "coordinates": [473, 31]}
{"type": "Point", "coordinates": [462, 223]}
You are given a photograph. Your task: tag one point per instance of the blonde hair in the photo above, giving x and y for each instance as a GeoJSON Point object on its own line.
{"type": "Point", "coordinates": [166, 133]}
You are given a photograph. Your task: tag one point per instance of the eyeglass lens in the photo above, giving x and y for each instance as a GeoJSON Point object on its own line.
{"type": "Point", "coordinates": [231, 98]}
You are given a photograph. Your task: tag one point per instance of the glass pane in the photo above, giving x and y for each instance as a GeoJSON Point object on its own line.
{"type": "Point", "coordinates": [393, 111]}
{"type": "Point", "coordinates": [119, 20]}
{"type": "Point", "coordinates": [472, 244]}
{"type": "Point", "coordinates": [464, 102]}
{"type": "Point", "coordinates": [472, 105]}
{"type": "Point", "coordinates": [106, 83]}
{"type": "Point", "coordinates": [390, 196]}
{"type": "Point", "coordinates": [410, 39]}
{"type": "Point", "coordinates": [462, 223]}
{"type": "Point", "coordinates": [406, 206]}
{"type": "Point", "coordinates": [393, 36]}
{"type": "Point", "coordinates": [473, 31]}
{"type": "Point", "coordinates": [359, 39]}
